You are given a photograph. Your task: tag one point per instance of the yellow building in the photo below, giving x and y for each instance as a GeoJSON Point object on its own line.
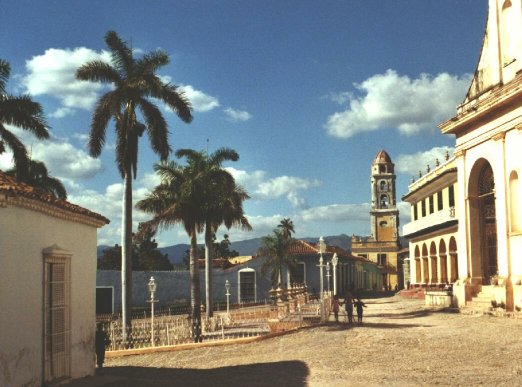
{"type": "Point", "coordinates": [383, 245]}
{"type": "Point", "coordinates": [488, 132]}
{"type": "Point", "coordinates": [432, 232]}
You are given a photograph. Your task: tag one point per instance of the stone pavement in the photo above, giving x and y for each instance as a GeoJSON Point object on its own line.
{"type": "Point", "coordinates": [401, 343]}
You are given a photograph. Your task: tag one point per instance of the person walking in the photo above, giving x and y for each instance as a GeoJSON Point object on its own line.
{"type": "Point", "coordinates": [348, 306]}
{"type": "Point", "coordinates": [101, 341]}
{"type": "Point", "coordinates": [359, 307]}
{"type": "Point", "coordinates": [335, 307]}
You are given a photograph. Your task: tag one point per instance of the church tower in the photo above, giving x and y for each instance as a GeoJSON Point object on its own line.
{"type": "Point", "coordinates": [383, 244]}
{"type": "Point", "coordinates": [383, 213]}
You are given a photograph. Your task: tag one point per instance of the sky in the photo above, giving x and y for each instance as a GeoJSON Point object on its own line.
{"type": "Point", "coordinates": [307, 92]}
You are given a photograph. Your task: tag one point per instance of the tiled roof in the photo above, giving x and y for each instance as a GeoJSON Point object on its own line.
{"type": "Point", "coordinates": [10, 188]}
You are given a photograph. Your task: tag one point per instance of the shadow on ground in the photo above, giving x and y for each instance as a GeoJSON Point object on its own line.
{"type": "Point", "coordinates": [284, 373]}
{"type": "Point", "coordinates": [345, 326]}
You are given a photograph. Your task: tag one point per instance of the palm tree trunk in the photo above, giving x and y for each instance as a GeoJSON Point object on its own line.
{"type": "Point", "coordinates": [209, 269]}
{"type": "Point", "coordinates": [195, 298]}
{"type": "Point", "coordinates": [126, 257]}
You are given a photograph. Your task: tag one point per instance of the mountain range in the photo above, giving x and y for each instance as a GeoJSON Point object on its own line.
{"type": "Point", "coordinates": [175, 253]}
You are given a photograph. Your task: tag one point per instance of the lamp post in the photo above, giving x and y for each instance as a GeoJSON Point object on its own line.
{"type": "Point", "coordinates": [152, 289]}
{"type": "Point", "coordinates": [227, 293]}
{"type": "Point", "coordinates": [322, 249]}
{"type": "Point", "coordinates": [328, 275]}
{"type": "Point", "coordinates": [335, 261]}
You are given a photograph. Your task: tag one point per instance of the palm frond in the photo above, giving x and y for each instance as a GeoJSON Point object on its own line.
{"type": "Point", "coordinates": [25, 113]}
{"type": "Point", "coordinates": [20, 157]}
{"type": "Point", "coordinates": [106, 108]}
{"type": "Point", "coordinates": [121, 54]}
{"type": "Point", "coordinates": [98, 71]}
{"type": "Point", "coordinates": [156, 128]}
{"type": "Point", "coordinates": [5, 70]}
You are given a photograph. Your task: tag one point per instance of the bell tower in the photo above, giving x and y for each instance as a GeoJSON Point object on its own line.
{"type": "Point", "coordinates": [383, 213]}
{"type": "Point", "coordinates": [383, 244]}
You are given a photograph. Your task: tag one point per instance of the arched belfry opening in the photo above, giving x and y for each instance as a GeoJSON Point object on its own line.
{"type": "Point", "coordinates": [483, 221]}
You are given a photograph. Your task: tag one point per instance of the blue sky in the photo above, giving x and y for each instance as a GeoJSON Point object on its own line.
{"type": "Point", "coordinates": [307, 92]}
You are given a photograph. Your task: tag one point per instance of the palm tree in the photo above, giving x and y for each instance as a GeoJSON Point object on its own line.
{"type": "Point", "coordinates": [177, 201]}
{"type": "Point", "coordinates": [277, 248]}
{"type": "Point", "coordinates": [134, 83]}
{"type": "Point", "coordinates": [287, 226]}
{"type": "Point", "coordinates": [222, 202]}
{"type": "Point", "coordinates": [22, 112]}
{"type": "Point", "coordinates": [38, 176]}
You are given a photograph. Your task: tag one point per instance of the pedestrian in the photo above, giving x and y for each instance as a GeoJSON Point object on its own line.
{"type": "Point", "coordinates": [335, 307]}
{"type": "Point", "coordinates": [359, 306]}
{"type": "Point", "coordinates": [101, 341]}
{"type": "Point", "coordinates": [348, 306]}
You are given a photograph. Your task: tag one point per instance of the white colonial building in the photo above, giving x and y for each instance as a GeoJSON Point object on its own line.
{"type": "Point", "coordinates": [47, 286]}
{"type": "Point", "coordinates": [488, 131]}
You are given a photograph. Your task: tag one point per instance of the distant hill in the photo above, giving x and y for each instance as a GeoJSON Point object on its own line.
{"type": "Point", "coordinates": [247, 247]}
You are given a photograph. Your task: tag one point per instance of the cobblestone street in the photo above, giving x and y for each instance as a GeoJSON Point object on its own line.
{"type": "Point", "coordinates": [400, 344]}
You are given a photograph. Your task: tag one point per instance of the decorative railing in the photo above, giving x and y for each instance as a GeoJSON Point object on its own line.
{"type": "Point", "coordinates": [172, 328]}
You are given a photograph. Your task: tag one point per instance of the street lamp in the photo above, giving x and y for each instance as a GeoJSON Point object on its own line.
{"type": "Point", "coordinates": [335, 261]}
{"type": "Point", "coordinates": [152, 289]}
{"type": "Point", "coordinates": [328, 275]}
{"type": "Point", "coordinates": [227, 290]}
{"type": "Point", "coordinates": [322, 249]}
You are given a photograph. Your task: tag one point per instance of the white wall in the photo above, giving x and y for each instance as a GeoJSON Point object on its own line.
{"type": "Point", "coordinates": [23, 236]}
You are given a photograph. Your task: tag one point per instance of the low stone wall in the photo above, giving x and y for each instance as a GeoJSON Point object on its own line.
{"type": "Point", "coordinates": [438, 298]}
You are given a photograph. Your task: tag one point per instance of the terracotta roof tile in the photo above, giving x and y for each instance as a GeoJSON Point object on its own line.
{"type": "Point", "coordinates": [12, 188]}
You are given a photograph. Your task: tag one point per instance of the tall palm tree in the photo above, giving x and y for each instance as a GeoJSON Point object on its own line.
{"type": "Point", "coordinates": [287, 226]}
{"type": "Point", "coordinates": [177, 201]}
{"type": "Point", "coordinates": [222, 202]}
{"type": "Point", "coordinates": [134, 83]}
{"type": "Point", "coordinates": [38, 176]}
{"type": "Point", "coordinates": [277, 248]}
{"type": "Point", "coordinates": [22, 112]}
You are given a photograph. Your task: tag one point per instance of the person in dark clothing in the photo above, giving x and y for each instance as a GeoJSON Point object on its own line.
{"type": "Point", "coordinates": [101, 341]}
{"type": "Point", "coordinates": [348, 306]}
{"type": "Point", "coordinates": [359, 307]}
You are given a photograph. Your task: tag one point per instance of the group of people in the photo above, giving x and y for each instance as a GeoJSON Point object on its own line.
{"type": "Point", "coordinates": [349, 303]}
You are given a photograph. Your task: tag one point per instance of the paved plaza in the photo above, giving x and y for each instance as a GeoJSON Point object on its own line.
{"type": "Point", "coordinates": [400, 343]}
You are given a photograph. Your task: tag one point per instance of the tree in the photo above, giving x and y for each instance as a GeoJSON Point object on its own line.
{"type": "Point", "coordinates": [37, 175]}
{"type": "Point", "coordinates": [177, 200]}
{"type": "Point", "coordinates": [221, 200]}
{"type": "Point", "coordinates": [287, 226]}
{"type": "Point", "coordinates": [222, 249]}
{"type": "Point", "coordinates": [149, 258]}
{"type": "Point", "coordinates": [22, 112]}
{"type": "Point", "coordinates": [134, 83]}
{"type": "Point", "coordinates": [145, 253]}
{"type": "Point", "coordinates": [277, 249]}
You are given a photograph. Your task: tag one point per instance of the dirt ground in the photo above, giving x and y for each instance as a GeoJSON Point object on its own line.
{"type": "Point", "coordinates": [400, 343]}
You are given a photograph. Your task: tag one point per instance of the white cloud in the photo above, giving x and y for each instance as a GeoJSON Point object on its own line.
{"type": "Point", "coordinates": [108, 204]}
{"type": "Point", "coordinates": [200, 101]}
{"type": "Point", "coordinates": [392, 101]}
{"type": "Point", "coordinates": [61, 158]}
{"type": "Point", "coordinates": [237, 115]}
{"type": "Point", "coordinates": [53, 73]}
{"type": "Point", "coordinates": [261, 188]}
{"type": "Point", "coordinates": [337, 213]}
{"type": "Point", "coordinates": [411, 164]}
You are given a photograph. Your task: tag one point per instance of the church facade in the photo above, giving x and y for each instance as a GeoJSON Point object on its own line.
{"type": "Point", "coordinates": [383, 244]}
{"type": "Point", "coordinates": [488, 132]}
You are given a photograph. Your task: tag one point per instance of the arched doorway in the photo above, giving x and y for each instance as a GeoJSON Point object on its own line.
{"type": "Point", "coordinates": [434, 278]}
{"type": "Point", "coordinates": [425, 268]}
{"type": "Point", "coordinates": [454, 266]}
{"type": "Point", "coordinates": [418, 279]}
{"type": "Point", "coordinates": [483, 222]}
{"type": "Point", "coordinates": [443, 262]}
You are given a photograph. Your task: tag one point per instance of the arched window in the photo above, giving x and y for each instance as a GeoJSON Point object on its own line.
{"type": "Point", "coordinates": [514, 197]}
{"type": "Point", "coordinates": [384, 201]}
